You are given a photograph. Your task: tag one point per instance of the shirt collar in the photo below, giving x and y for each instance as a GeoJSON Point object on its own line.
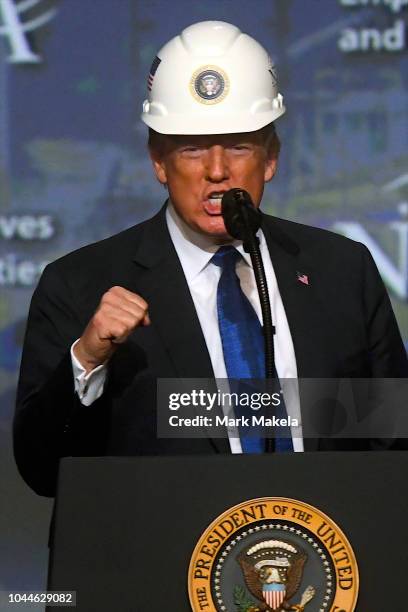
{"type": "Point", "coordinates": [194, 249]}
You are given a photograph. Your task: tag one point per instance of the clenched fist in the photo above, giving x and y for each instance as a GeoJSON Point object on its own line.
{"type": "Point", "coordinates": [119, 312]}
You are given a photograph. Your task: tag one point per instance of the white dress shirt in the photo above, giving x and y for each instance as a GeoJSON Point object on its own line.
{"type": "Point", "coordinates": [195, 252]}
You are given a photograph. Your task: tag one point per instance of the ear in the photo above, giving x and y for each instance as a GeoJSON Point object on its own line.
{"type": "Point", "coordinates": [271, 165]}
{"type": "Point", "coordinates": [159, 165]}
{"type": "Point", "coordinates": [272, 155]}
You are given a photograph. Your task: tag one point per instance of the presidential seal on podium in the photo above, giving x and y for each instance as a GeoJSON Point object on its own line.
{"type": "Point", "coordinates": [273, 554]}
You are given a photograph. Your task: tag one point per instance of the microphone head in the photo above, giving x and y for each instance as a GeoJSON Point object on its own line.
{"type": "Point", "coordinates": [239, 214]}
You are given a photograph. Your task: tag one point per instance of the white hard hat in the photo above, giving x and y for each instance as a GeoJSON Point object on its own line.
{"type": "Point", "coordinates": [212, 79]}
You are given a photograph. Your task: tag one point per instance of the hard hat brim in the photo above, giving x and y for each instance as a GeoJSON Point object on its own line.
{"type": "Point", "coordinates": [220, 124]}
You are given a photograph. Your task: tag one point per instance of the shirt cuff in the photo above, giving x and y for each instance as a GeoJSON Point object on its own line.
{"type": "Point", "coordinates": [89, 387]}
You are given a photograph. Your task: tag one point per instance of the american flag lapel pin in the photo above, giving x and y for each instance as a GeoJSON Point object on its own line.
{"type": "Point", "coordinates": [302, 278]}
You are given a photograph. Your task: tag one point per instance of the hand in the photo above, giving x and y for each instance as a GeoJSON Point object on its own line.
{"type": "Point", "coordinates": [119, 313]}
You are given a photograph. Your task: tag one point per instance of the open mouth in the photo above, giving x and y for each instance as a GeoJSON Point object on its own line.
{"type": "Point", "coordinates": [212, 204]}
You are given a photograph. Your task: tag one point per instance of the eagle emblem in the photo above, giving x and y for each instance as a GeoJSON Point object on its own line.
{"type": "Point", "coordinates": [209, 84]}
{"type": "Point", "coordinates": [273, 554]}
{"type": "Point", "coordinates": [273, 571]}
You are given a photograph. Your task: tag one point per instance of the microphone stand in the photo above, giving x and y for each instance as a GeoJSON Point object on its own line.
{"type": "Point", "coordinates": [251, 246]}
{"type": "Point", "coordinates": [242, 221]}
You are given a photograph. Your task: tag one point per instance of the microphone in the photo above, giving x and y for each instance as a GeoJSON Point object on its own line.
{"type": "Point", "coordinates": [241, 218]}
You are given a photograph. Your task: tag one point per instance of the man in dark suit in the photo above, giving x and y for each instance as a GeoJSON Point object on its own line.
{"type": "Point", "coordinates": [110, 319]}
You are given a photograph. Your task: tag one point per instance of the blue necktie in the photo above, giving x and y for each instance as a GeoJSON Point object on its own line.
{"type": "Point", "coordinates": [242, 340]}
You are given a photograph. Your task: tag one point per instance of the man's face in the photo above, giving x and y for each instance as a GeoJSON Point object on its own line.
{"type": "Point", "coordinates": [198, 170]}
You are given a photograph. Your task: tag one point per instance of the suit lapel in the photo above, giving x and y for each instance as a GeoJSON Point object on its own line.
{"type": "Point", "coordinates": [307, 319]}
{"type": "Point", "coordinates": [309, 323]}
{"type": "Point", "coordinates": [161, 281]}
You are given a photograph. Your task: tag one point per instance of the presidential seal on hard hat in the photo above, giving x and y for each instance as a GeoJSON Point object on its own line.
{"type": "Point", "coordinates": [209, 84]}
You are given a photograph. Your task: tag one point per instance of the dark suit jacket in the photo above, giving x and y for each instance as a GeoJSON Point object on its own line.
{"type": "Point", "coordinates": [342, 325]}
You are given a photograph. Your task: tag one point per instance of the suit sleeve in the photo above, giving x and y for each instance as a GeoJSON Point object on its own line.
{"type": "Point", "coordinates": [388, 356]}
{"type": "Point", "coordinates": [387, 353]}
{"type": "Point", "coordinates": [50, 422]}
